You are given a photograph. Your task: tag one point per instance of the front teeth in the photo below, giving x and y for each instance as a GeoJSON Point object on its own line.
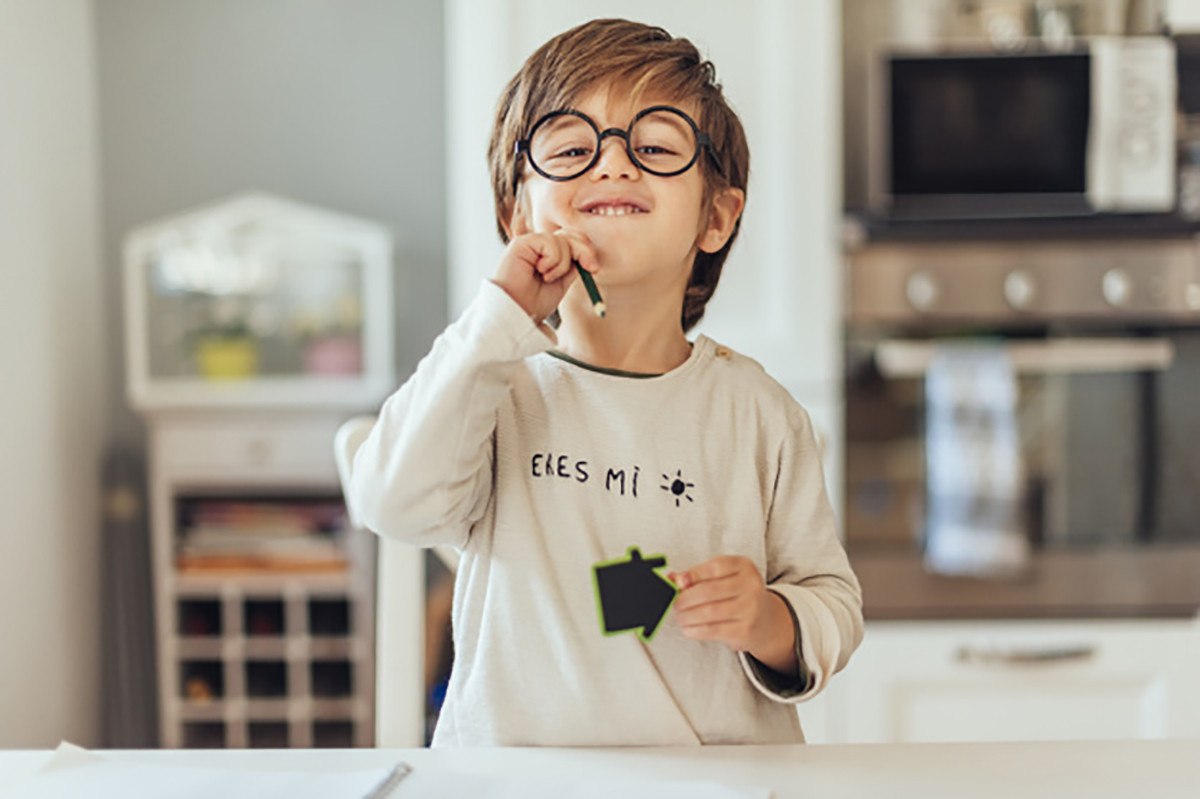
{"type": "Point", "coordinates": [616, 210]}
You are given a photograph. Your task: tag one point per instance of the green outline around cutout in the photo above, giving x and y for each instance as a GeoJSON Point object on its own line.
{"type": "Point", "coordinates": [600, 607]}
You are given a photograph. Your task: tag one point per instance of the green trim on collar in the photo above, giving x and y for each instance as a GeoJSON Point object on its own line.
{"type": "Point", "coordinates": [601, 369]}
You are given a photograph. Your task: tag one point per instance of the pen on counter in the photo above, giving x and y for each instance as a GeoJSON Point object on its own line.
{"type": "Point", "coordinates": [593, 293]}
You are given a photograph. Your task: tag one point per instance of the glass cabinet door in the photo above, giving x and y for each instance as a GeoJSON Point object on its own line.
{"type": "Point", "coordinates": [261, 301]}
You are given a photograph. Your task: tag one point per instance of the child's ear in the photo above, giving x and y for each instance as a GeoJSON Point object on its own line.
{"type": "Point", "coordinates": [722, 219]}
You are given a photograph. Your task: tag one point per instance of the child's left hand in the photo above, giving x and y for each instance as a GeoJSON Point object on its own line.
{"type": "Point", "coordinates": [725, 599]}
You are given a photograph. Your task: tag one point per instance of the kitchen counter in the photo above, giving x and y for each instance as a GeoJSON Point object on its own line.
{"type": "Point", "coordinates": [1138, 582]}
{"type": "Point", "coordinates": [1099, 770]}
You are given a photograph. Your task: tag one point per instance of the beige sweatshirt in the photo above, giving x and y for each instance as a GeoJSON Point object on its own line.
{"type": "Point", "coordinates": [537, 469]}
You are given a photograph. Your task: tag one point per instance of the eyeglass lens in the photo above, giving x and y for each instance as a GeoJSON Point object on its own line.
{"type": "Point", "coordinates": [565, 146]}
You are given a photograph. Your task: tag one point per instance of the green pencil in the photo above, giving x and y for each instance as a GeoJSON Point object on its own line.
{"type": "Point", "coordinates": [593, 293]}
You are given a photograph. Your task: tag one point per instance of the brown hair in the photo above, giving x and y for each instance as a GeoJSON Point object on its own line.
{"type": "Point", "coordinates": [637, 57]}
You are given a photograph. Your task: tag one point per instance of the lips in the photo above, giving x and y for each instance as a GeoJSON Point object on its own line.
{"type": "Point", "coordinates": [614, 206]}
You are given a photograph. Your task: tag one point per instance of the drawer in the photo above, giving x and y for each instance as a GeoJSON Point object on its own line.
{"type": "Point", "coordinates": [925, 682]}
{"type": "Point", "coordinates": [260, 446]}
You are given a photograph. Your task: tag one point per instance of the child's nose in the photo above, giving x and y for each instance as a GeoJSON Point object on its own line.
{"type": "Point", "coordinates": [614, 161]}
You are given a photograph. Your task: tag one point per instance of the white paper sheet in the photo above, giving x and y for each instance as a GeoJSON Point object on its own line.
{"type": "Point", "coordinates": [75, 772]}
{"type": "Point", "coordinates": [430, 784]}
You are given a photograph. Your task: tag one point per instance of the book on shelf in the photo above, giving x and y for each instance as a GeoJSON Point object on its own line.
{"type": "Point", "coordinates": [221, 535]}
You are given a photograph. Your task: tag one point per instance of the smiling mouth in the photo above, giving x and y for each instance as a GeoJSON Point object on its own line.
{"type": "Point", "coordinates": [614, 210]}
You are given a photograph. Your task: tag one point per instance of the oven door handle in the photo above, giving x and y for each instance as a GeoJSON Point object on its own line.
{"type": "Point", "coordinates": [1025, 657]}
{"type": "Point", "coordinates": [907, 358]}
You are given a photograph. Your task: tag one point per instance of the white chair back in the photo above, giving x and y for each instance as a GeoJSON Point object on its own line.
{"type": "Point", "coordinates": [399, 616]}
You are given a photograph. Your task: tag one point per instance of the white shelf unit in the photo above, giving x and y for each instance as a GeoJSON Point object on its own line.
{"type": "Point", "coordinates": [255, 325]}
{"type": "Point", "coordinates": [309, 678]}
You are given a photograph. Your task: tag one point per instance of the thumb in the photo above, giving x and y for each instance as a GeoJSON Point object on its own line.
{"type": "Point", "coordinates": [681, 579]}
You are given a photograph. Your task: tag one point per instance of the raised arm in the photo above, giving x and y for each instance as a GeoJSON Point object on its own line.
{"type": "Point", "coordinates": [424, 474]}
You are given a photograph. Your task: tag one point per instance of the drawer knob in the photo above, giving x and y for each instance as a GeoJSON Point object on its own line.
{"type": "Point", "coordinates": [1019, 289]}
{"type": "Point", "coordinates": [922, 290]}
{"type": "Point", "coordinates": [1117, 287]}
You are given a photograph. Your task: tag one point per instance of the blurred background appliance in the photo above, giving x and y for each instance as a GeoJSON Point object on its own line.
{"type": "Point", "coordinates": [1038, 127]}
{"type": "Point", "coordinates": [1103, 337]}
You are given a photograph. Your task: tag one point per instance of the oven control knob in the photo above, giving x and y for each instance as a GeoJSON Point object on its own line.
{"type": "Point", "coordinates": [1192, 296]}
{"type": "Point", "coordinates": [1019, 289]}
{"type": "Point", "coordinates": [922, 290]}
{"type": "Point", "coordinates": [1117, 287]}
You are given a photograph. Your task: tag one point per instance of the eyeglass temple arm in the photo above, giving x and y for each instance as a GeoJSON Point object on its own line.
{"type": "Point", "coordinates": [706, 144]}
{"type": "Point", "coordinates": [521, 146]}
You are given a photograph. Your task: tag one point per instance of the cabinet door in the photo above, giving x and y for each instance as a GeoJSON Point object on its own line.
{"type": "Point", "coordinates": [779, 62]}
{"type": "Point", "coordinates": [1007, 681]}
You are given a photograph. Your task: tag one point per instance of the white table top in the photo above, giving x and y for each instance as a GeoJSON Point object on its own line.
{"type": "Point", "coordinates": [1098, 770]}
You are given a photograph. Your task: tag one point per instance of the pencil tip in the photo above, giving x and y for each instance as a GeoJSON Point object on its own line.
{"type": "Point", "coordinates": [601, 310]}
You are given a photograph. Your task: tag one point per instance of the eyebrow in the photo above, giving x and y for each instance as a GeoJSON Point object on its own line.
{"type": "Point", "coordinates": [674, 120]}
{"type": "Point", "coordinates": [558, 122]}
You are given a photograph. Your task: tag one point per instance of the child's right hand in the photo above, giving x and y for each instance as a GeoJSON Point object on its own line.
{"type": "Point", "coordinates": [536, 269]}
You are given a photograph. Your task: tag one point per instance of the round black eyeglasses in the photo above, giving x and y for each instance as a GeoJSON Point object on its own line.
{"type": "Point", "coordinates": [661, 140]}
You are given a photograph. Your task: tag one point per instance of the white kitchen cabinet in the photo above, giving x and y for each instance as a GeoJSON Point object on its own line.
{"type": "Point", "coordinates": [1017, 680]}
{"type": "Point", "coordinates": [779, 61]}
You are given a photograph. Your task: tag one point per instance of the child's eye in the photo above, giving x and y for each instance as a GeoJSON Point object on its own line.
{"type": "Point", "coordinates": [650, 149]}
{"type": "Point", "coordinates": [573, 152]}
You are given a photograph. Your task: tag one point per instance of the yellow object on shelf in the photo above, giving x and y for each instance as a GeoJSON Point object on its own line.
{"type": "Point", "coordinates": [227, 358]}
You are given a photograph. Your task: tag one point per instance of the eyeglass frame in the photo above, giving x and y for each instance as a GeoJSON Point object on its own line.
{"type": "Point", "coordinates": [522, 146]}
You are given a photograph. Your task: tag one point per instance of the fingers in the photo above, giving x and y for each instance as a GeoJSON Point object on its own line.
{"type": "Point", "coordinates": [729, 631]}
{"type": "Point", "coordinates": [730, 621]}
{"type": "Point", "coordinates": [727, 609]}
{"type": "Point", "coordinates": [715, 590]}
{"type": "Point", "coordinates": [553, 255]}
{"type": "Point", "coordinates": [719, 600]}
{"type": "Point", "coordinates": [581, 249]}
{"type": "Point", "coordinates": [550, 256]}
{"type": "Point", "coordinates": [716, 568]}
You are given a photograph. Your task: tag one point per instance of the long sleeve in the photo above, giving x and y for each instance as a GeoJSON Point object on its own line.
{"type": "Point", "coordinates": [424, 474]}
{"type": "Point", "coordinates": [808, 567]}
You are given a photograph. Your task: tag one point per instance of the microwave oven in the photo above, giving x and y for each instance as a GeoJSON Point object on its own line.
{"type": "Point", "coordinates": [972, 134]}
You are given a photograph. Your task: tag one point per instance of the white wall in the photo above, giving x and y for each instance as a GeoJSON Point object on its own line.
{"type": "Point", "coordinates": [337, 103]}
{"type": "Point", "coordinates": [52, 385]}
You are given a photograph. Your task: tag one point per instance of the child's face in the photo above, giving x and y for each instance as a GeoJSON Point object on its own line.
{"type": "Point", "coordinates": [655, 224]}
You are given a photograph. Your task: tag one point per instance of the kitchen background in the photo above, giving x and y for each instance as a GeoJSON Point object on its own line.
{"type": "Point", "coordinates": [120, 113]}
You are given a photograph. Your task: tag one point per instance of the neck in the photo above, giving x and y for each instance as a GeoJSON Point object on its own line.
{"type": "Point", "coordinates": [639, 333]}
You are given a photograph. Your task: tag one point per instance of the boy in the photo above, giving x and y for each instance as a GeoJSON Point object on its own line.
{"type": "Point", "coordinates": [540, 453]}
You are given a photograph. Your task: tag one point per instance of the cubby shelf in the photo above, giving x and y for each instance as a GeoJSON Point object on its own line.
{"type": "Point", "coordinates": [256, 657]}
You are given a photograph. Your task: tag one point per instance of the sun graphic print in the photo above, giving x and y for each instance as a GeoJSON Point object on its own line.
{"type": "Point", "coordinates": [677, 487]}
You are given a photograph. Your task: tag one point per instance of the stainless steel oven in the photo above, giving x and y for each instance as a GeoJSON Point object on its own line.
{"type": "Point", "coordinates": [1102, 341]}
